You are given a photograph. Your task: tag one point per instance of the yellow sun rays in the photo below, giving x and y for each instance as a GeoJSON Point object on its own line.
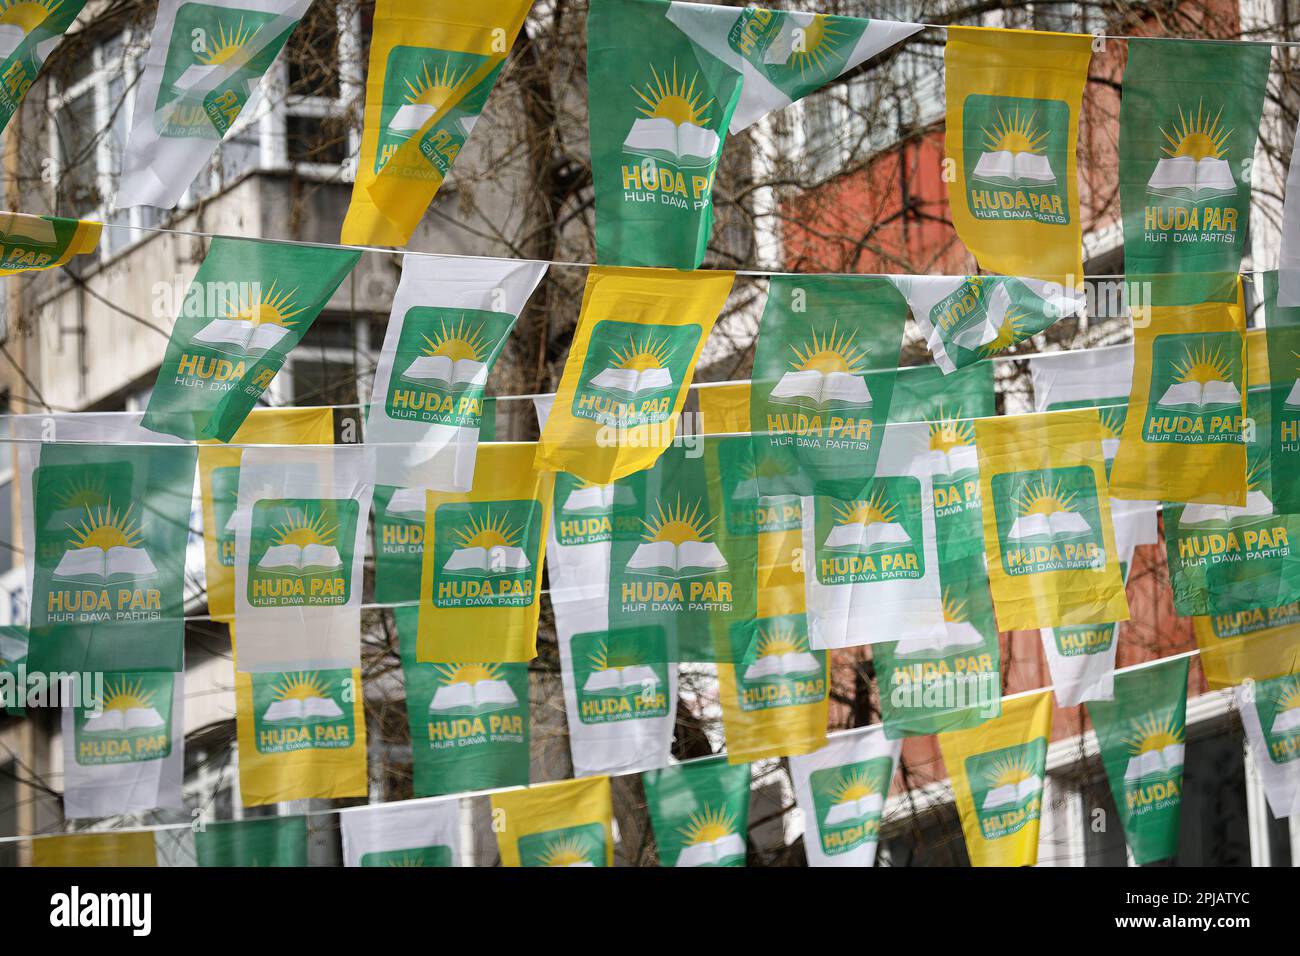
{"type": "Point", "coordinates": [678, 523]}
{"type": "Point", "coordinates": [302, 529]}
{"type": "Point", "coordinates": [1153, 732]}
{"type": "Point", "coordinates": [85, 491]}
{"type": "Point", "coordinates": [464, 340]}
{"type": "Point", "coordinates": [229, 42]}
{"type": "Point", "coordinates": [853, 785]}
{"type": "Point", "coordinates": [125, 694]}
{"type": "Point", "coordinates": [673, 98]}
{"type": "Point", "coordinates": [779, 638]}
{"type": "Point", "coordinates": [566, 851]}
{"type": "Point", "coordinates": [434, 89]}
{"type": "Point", "coordinates": [104, 528]}
{"type": "Point", "coordinates": [273, 308]}
{"type": "Point", "coordinates": [831, 352]}
{"type": "Point", "coordinates": [299, 686]}
{"type": "Point", "coordinates": [1015, 133]}
{"type": "Point", "coordinates": [467, 673]}
{"type": "Point", "coordinates": [1198, 137]}
{"type": "Point", "coordinates": [1203, 364]}
{"type": "Point", "coordinates": [949, 431]}
{"type": "Point", "coordinates": [1010, 332]}
{"type": "Point", "coordinates": [27, 14]}
{"type": "Point", "coordinates": [1012, 769]}
{"type": "Point", "coordinates": [820, 46]}
{"type": "Point", "coordinates": [877, 508]}
{"type": "Point", "coordinates": [954, 608]}
{"type": "Point", "coordinates": [490, 531]}
{"type": "Point", "coordinates": [708, 825]}
{"type": "Point", "coordinates": [1288, 695]}
{"type": "Point", "coordinates": [1112, 421]}
{"type": "Point", "coordinates": [639, 356]}
{"type": "Point", "coordinates": [1039, 499]}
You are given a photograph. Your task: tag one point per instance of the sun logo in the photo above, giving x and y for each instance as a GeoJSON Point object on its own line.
{"type": "Point", "coordinates": [1152, 733]}
{"type": "Point", "coordinates": [228, 45]}
{"type": "Point", "coordinates": [566, 851]}
{"type": "Point", "coordinates": [123, 695]}
{"type": "Point", "coordinates": [27, 15]}
{"type": "Point", "coordinates": [302, 529]}
{"type": "Point", "coordinates": [408, 858]}
{"type": "Point", "coordinates": [819, 46]}
{"type": "Point", "coordinates": [463, 341]}
{"type": "Point", "coordinates": [673, 99]}
{"type": "Point", "coordinates": [1112, 422]}
{"type": "Point", "coordinates": [105, 528]}
{"type": "Point", "coordinates": [853, 786]}
{"type": "Point", "coordinates": [436, 88]}
{"type": "Point", "coordinates": [83, 492]}
{"type": "Point", "coordinates": [643, 355]}
{"type": "Point", "coordinates": [778, 640]}
{"type": "Point", "coordinates": [300, 686]}
{"type": "Point", "coordinates": [954, 608]}
{"type": "Point", "coordinates": [707, 826]}
{"type": "Point", "coordinates": [1015, 133]}
{"type": "Point", "coordinates": [1011, 770]}
{"type": "Point", "coordinates": [877, 509]}
{"type": "Point", "coordinates": [677, 523]}
{"type": "Point", "coordinates": [1202, 365]}
{"type": "Point", "coordinates": [1010, 331]}
{"type": "Point", "coordinates": [598, 657]}
{"type": "Point", "coordinates": [1287, 717]}
{"type": "Point", "coordinates": [467, 673]}
{"type": "Point", "coordinates": [950, 431]}
{"type": "Point", "coordinates": [273, 308]}
{"type": "Point", "coordinates": [1038, 499]}
{"type": "Point", "coordinates": [488, 532]}
{"type": "Point", "coordinates": [1197, 137]}
{"type": "Point", "coordinates": [829, 353]}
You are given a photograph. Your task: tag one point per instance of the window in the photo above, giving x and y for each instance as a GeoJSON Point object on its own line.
{"type": "Point", "coordinates": [931, 838]}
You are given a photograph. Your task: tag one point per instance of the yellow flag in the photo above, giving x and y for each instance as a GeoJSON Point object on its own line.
{"type": "Point", "coordinates": [30, 243]}
{"type": "Point", "coordinates": [1259, 644]}
{"type": "Point", "coordinates": [1182, 438]}
{"type": "Point", "coordinates": [629, 369]}
{"type": "Point", "coordinates": [1012, 128]}
{"type": "Point", "coordinates": [569, 823]}
{"type": "Point", "coordinates": [997, 771]}
{"type": "Point", "coordinates": [219, 485]}
{"type": "Point", "coordinates": [1047, 526]}
{"type": "Point", "coordinates": [481, 576]}
{"type": "Point", "coordinates": [96, 849]}
{"type": "Point", "coordinates": [430, 75]}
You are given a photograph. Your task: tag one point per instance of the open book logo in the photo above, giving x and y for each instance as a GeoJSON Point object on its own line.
{"type": "Point", "coordinates": [301, 698]}
{"type": "Point", "coordinates": [18, 229]}
{"type": "Point", "coordinates": [673, 125]}
{"type": "Point", "coordinates": [1202, 377]}
{"type": "Point", "coordinates": [620, 676]}
{"type": "Point", "coordinates": [997, 324]}
{"type": "Point", "coordinates": [676, 543]}
{"type": "Point", "coordinates": [1277, 704]}
{"type": "Point", "coordinates": [427, 92]}
{"type": "Point", "coordinates": [452, 358]}
{"type": "Point", "coordinates": [1193, 168]}
{"type": "Point", "coordinates": [848, 801]}
{"type": "Point", "coordinates": [472, 689]}
{"type": "Point", "coordinates": [827, 370]}
{"type": "Point", "coordinates": [487, 544]}
{"type": "Point", "coordinates": [781, 653]}
{"type": "Point", "coordinates": [639, 366]}
{"type": "Point", "coordinates": [710, 837]}
{"type": "Point", "coordinates": [1154, 745]}
{"type": "Point", "coordinates": [1007, 786]}
{"type": "Point", "coordinates": [105, 543]}
{"type": "Point", "coordinates": [960, 636]}
{"type": "Point", "coordinates": [606, 677]}
{"type": "Point", "coordinates": [869, 525]}
{"type": "Point", "coordinates": [256, 321]}
{"type": "Point", "coordinates": [952, 444]}
{"type": "Point", "coordinates": [582, 845]}
{"type": "Point", "coordinates": [1046, 512]}
{"type": "Point", "coordinates": [421, 856]}
{"type": "Point", "coordinates": [434, 90]}
{"type": "Point", "coordinates": [133, 723]}
{"type": "Point", "coordinates": [1014, 151]}
{"type": "Point", "coordinates": [1258, 506]}
{"type": "Point", "coordinates": [305, 543]}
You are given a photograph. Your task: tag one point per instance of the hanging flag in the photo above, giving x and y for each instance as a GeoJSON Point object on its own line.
{"type": "Point", "coordinates": [13, 670]}
{"type": "Point", "coordinates": [1012, 133]}
{"type": "Point", "coordinates": [107, 527]}
{"type": "Point", "coordinates": [399, 543]}
{"type": "Point", "coordinates": [842, 790]}
{"type": "Point", "coordinates": [302, 735]}
{"type": "Point", "coordinates": [1289, 249]}
{"type": "Point", "coordinates": [31, 243]}
{"type": "Point", "coordinates": [480, 585]}
{"type": "Point", "coordinates": [1182, 432]}
{"type": "Point", "coordinates": [265, 841]}
{"type": "Point", "coordinates": [431, 71]}
{"type": "Point", "coordinates": [450, 321]}
{"type": "Point", "coordinates": [629, 367]}
{"type": "Point", "coordinates": [400, 834]}
{"type": "Point", "coordinates": [1282, 331]}
{"type": "Point", "coordinates": [875, 560]}
{"type": "Point", "coordinates": [952, 682]}
{"type": "Point", "coordinates": [1188, 123]}
{"type": "Point", "coordinates": [29, 33]}
{"type": "Point", "coordinates": [967, 319]}
{"type": "Point", "coordinates": [662, 100]}
{"type": "Point", "coordinates": [1258, 645]}
{"type": "Point", "coordinates": [125, 752]}
{"type": "Point", "coordinates": [205, 62]}
{"type": "Point", "coordinates": [815, 411]}
{"type": "Point", "coordinates": [1142, 733]}
{"type": "Point", "coordinates": [567, 823]}
{"type": "Point", "coordinates": [700, 812]}
{"type": "Point", "coordinates": [300, 542]}
{"type": "Point", "coordinates": [136, 848]}
{"type": "Point", "coordinates": [250, 303]}
{"type": "Point", "coordinates": [1270, 712]}
{"type": "Point", "coordinates": [468, 721]}
{"type": "Point", "coordinates": [620, 691]}
{"type": "Point", "coordinates": [997, 771]}
{"type": "Point", "coordinates": [1053, 560]}
{"type": "Point", "coordinates": [219, 487]}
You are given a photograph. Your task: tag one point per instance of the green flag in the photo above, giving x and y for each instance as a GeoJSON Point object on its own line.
{"type": "Point", "coordinates": [1282, 327]}
{"type": "Point", "coordinates": [699, 812]}
{"type": "Point", "coordinates": [269, 841]}
{"type": "Point", "coordinates": [249, 305]}
{"type": "Point", "coordinates": [1142, 734]}
{"type": "Point", "coordinates": [399, 543]}
{"type": "Point", "coordinates": [29, 33]}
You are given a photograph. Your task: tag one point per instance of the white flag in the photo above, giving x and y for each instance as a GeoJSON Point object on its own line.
{"type": "Point", "coordinates": [1270, 712]}
{"type": "Point", "coordinates": [419, 833]}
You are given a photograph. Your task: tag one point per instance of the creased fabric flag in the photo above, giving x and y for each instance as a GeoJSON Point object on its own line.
{"type": "Point", "coordinates": [1270, 712]}
{"type": "Point", "coordinates": [634, 351]}
{"type": "Point", "coordinates": [480, 586]}
{"type": "Point", "coordinates": [1289, 251]}
{"type": "Point", "coordinates": [1282, 335]}
{"type": "Point", "coordinates": [13, 668]}
{"type": "Point", "coordinates": [567, 823]}
{"type": "Point", "coordinates": [620, 691]}
{"type": "Point", "coordinates": [874, 572]}
{"type": "Point", "coordinates": [966, 319]}
{"type": "Point", "coordinates": [1182, 431]}
{"type": "Point", "coordinates": [300, 542]}
{"type": "Point", "coordinates": [402, 834]}
{"type": "Point", "coordinates": [205, 62]}
{"type": "Point", "coordinates": [31, 243]}
{"type": "Point", "coordinates": [1053, 560]}
{"type": "Point", "coordinates": [997, 771]}
{"type": "Point", "coordinates": [29, 34]}
{"type": "Point", "coordinates": [1012, 132]}
{"type": "Point", "coordinates": [1188, 123]}
{"type": "Point", "coordinates": [469, 722]}
{"type": "Point", "coordinates": [842, 790]}
{"type": "Point", "coordinates": [699, 811]}
{"type": "Point", "coordinates": [816, 413]}
{"type": "Point", "coordinates": [126, 753]}
{"type": "Point", "coordinates": [302, 735]}
{"type": "Point", "coordinates": [219, 487]}
{"type": "Point", "coordinates": [1142, 735]}
{"type": "Point", "coordinates": [107, 526]}
{"type": "Point", "coordinates": [399, 543]}
{"type": "Point", "coordinates": [269, 841]}
{"type": "Point", "coordinates": [661, 102]}
{"type": "Point", "coordinates": [96, 849]}
{"type": "Point", "coordinates": [449, 323]}
{"type": "Point", "coordinates": [250, 303]}
{"type": "Point", "coordinates": [1258, 645]}
{"type": "Point", "coordinates": [931, 686]}
{"type": "Point", "coordinates": [431, 72]}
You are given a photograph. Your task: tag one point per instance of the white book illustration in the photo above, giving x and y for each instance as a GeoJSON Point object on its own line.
{"type": "Point", "coordinates": [11, 650]}
{"type": "Point", "coordinates": [462, 373]}
{"type": "Point", "coordinates": [300, 560]}
{"type": "Point", "coordinates": [1058, 524]}
{"type": "Point", "coordinates": [1201, 394]}
{"type": "Point", "coordinates": [92, 562]}
{"type": "Point", "coordinates": [661, 138]}
{"type": "Point", "coordinates": [241, 334]}
{"type": "Point", "coordinates": [712, 852]}
{"type": "Point", "coordinates": [987, 330]}
{"type": "Point", "coordinates": [958, 636]}
{"type": "Point", "coordinates": [1286, 722]}
{"type": "Point", "coordinates": [499, 559]}
{"type": "Point", "coordinates": [782, 665]}
{"type": "Point", "coordinates": [1004, 165]}
{"type": "Point", "coordinates": [1293, 396]}
{"type": "Point", "coordinates": [864, 537]}
{"type": "Point", "coordinates": [822, 388]}
{"type": "Point", "coordinates": [1009, 794]}
{"type": "Point", "coordinates": [490, 693]}
{"type": "Point", "coordinates": [124, 721]}
{"type": "Point", "coordinates": [16, 228]}
{"type": "Point", "coordinates": [850, 810]}
{"type": "Point", "coordinates": [1162, 762]}
{"type": "Point", "coordinates": [616, 680]}
{"type": "Point", "coordinates": [410, 117]}
{"type": "Point", "coordinates": [598, 498]}
{"type": "Point", "coordinates": [1257, 506]}
{"type": "Point", "coordinates": [409, 502]}
{"type": "Point", "coordinates": [632, 382]}
{"type": "Point", "coordinates": [1197, 179]}
{"type": "Point", "coordinates": [11, 34]}
{"type": "Point", "coordinates": [955, 459]}
{"type": "Point", "coordinates": [677, 560]}
{"type": "Point", "coordinates": [305, 708]}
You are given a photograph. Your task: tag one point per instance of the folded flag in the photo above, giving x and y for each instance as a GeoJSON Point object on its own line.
{"type": "Point", "coordinates": [568, 823]}
{"type": "Point", "coordinates": [1258, 645]}
{"type": "Point", "coordinates": [30, 243]}
{"type": "Point", "coordinates": [1270, 712]}
{"type": "Point", "coordinates": [269, 841]}
{"type": "Point", "coordinates": [426, 833]}
{"type": "Point", "coordinates": [29, 33]}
